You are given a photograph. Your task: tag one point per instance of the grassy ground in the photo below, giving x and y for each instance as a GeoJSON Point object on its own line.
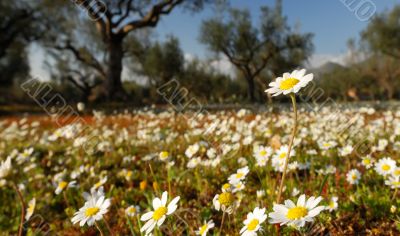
{"type": "Point", "coordinates": [203, 151]}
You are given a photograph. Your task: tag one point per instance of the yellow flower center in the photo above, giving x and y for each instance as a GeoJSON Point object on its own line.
{"type": "Point", "coordinates": [331, 204]}
{"type": "Point", "coordinates": [31, 208]}
{"type": "Point", "coordinates": [226, 186]}
{"type": "Point", "coordinates": [62, 185]}
{"type": "Point", "coordinates": [263, 153]}
{"type": "Point", "coordinates": [354, 177]}
{"type": "Point", "coordinates": [132, 210]}
{"type": "Point", "coordinates": [239, 175]}
{"type": "Point", "coordinates": [160, 212]}
{"type": "Point", "coordinates": [91, 211]}
{"type": "Point", "coordinates": [282, 155]}
{"type": "Point", "coordinates": [288, 83]}
{"type": "Point", "coordinates": [203, 229]}
{"type": "Point", "coordinates": [164, 155]}
{"type": "Point", "coordinates": [98, 184]}
{"type": "Point", "coordinates": [385, 167]}
{"type": "Point", "coordinates": [396, 183]}
{"type": "Point", "coordinates": [225, 199]}
{"type": "Point", "coordinates": [297, 213]}
{"type": "Point", "coordinates": [367, 161]}
{"type": "Point", "coordinates": [252, 225]}
{"type": "Point", "coordinates": [396, 172]}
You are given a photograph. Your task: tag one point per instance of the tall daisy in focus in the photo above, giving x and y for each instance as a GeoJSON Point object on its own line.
{"type": "Point", "coordinates": [289, 84]}
{"type": "Point", "coordinates": [160, 213]}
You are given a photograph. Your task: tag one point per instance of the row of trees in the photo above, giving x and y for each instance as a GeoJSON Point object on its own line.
{"type": "Point", "coordinates": [372, 71]}
{"type": "Point", "coordinates": [91, 50]}
{"type": "Point", "coordinates": [91, 44]}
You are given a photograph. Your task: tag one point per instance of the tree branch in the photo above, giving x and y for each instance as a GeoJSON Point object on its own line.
{"type": "Point", "coordinates": [92, 62]}
{"type": "Point", "coordinates": [152, 17]}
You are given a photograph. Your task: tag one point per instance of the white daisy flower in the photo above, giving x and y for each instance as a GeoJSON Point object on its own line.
{"type": "Point", "coordinates": [203, 230]}
{"type": "Point", "coordinates": [260, 194]}
{"type": "Point", "coordinates": [95, 207]}
{"type": "Point", "coordinates": [30, 209]}
{"type": "Point", "coordinates": [5, 168]}
{"type": "Point", "coordinates": [367, 161]}
{"type": "Point", "coordinates": [393, 182]}
{"type": "Point", "coordinates": [161, 210]}
{"type": "Point", "coordinates": [132, 211]}
{"type": "Point", "coordinates": [238, 186]}
{"type": "Point", "coordinates": [192, 150]}
{"type": "Point", "coordinates": [164, 155]}
{"type": "Point", "coordinates": [280, 155]}
{"type": "Point", "coordinates": [61, 185]}
{"type": "Point", "coordinates": [253, 222]}
{"type": "Point", "coordinates": [385, 166]}
{"type": "Point", "coordinates": [239, 176]}
{"type": "Point", "coordinates": [224, 202]}
{"type": "Point", "coordinates": [333, 205]}
{"type": "Point", "coordinates": [295, 192]}
{"type": "Point", "coordinates": [296, 215]}
{"type": "Point", "coordinates": [290, 83]}
{"type": "Point", "coordinates": [353, 176]}
{"type": "Point", "coordinates": [262, 154]}
{"type": "Point", "coordinates": [100, 183]}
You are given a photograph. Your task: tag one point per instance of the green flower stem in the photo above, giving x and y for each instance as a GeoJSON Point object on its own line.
{"type": "Point", "coordinates": [23, 207]}
{"type": "Point", "coordinates": [278, 199]}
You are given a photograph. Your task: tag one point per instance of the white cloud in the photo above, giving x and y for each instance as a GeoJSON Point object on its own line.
{"type": "Point", "coordinates": [318, 60]}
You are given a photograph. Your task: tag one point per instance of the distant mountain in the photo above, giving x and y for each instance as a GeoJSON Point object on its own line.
{"type": "Point", "coordinates": [326, 68]}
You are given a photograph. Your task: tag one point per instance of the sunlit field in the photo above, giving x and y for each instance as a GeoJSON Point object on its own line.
{"type": "Point", "coordinates": [216, 167]}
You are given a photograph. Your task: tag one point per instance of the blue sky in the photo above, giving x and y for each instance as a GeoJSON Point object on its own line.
{"type": "Point", "coordinates": [330, 20]}
{"type": "Point", "coordinates": [332, 23]}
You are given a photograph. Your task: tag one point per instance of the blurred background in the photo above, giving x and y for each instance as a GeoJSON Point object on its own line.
{"type": "Point", "coordinates": [122, 52]}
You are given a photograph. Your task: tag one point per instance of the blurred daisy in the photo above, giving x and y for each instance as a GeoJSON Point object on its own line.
{"type": "Point", "coordinates": [239, 176]}
{"type": "Point", "coordinates": [367, 161]}
{"type": "Point", "coordinates": [393, 182]}
{"type": "Point", "coordinates": [385, 166]}
{"type": "Point", "coordinates": [161, 210]}
{"type": "Point", "coordinates": [295, 192]}
{"type": "Point", "coordinates": [100, 183]}
{"type": "Point", "coordinates": [64, 185]}
{"type": "Point", "coordinates": [260, 193]}
{"type": "Point", "coordinates": [164, 155]}
{"type": "Point", "coordinates": [95, 207]}
{"type": "Point", "coordinates": [203, 230]}
{"type": "Point", "coordinates": [239, 186]}
{"type": "Point", "coordinates": [333, 205]}
{"type": "Point", "coordinates": [253, 222]}
{"type": "Point", "coordinates": [296, 215]}
{"type": "Point", "coordinates": [345, 151]}
{"type": "Point", "coordinates": [280, 156]}
{"type": "Point", "coordinates": [353, 176]}
{"type": "Point", "coordinates": [132, 211]}
{"type": "Point", "coordinates": [5, 168]}
{"type": "Point", "coordinates": [290, 83]}
{"type": "Point", "coordinates": [262, 154]}
{"type": "Point", "coordinates": [30, 209]}
{"type": "Point", "coordinates": [192, 150]}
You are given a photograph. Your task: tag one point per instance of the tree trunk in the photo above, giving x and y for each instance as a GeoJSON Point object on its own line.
{"type": "Point", "coordinates": [250, 89]}
{"type": "Point", "coordinates": [113, 84]}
